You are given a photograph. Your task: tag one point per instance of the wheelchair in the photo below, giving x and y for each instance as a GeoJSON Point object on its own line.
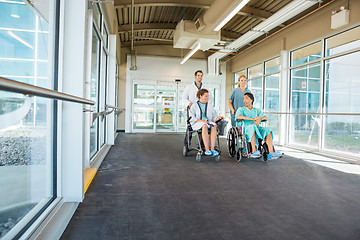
{"type": "Point", "coordinates": [200, 148]}
{"type": "Point", "coordinates": [239, 147]}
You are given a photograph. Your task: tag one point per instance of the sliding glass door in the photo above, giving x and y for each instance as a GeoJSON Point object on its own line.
{"type": "Point", "coordinates": [157, 106]}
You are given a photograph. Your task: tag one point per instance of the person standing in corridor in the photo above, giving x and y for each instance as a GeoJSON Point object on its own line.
{"type": "Point", "coordinates": [189, 94]}
{"type": "Point", "coordinates": [236, 99]}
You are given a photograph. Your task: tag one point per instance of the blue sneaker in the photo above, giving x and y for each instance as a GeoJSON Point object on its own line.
{"type": "Point", "coordinates": [214, 153]}
{"type": "Point", "coordinates": [255, 154]}
{"type": "Point", "coordinates": [277, 153]}
{"type": "Point", "coordinates": [208, 153]}
{"type": "Point", "coordinates": [272, 156]}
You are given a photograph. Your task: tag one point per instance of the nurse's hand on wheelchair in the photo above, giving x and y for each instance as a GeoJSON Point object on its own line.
{"type": "Point", "coordinates": [218, 119]}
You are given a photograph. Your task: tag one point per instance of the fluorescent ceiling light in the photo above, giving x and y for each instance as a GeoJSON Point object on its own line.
{"type": "Point", "coordinates": [15, 16]}
{"type": "Point", "coordinates": [19, 39]}
{"type": "Point", "coordinates": [240, 4]}
{"type": "Point", "coordinates": [190, 53]}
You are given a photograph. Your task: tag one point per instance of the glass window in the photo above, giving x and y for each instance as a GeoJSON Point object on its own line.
{"type": "Point", "coordinates": [103, 93]}
{"type": "Point", "coordinates": [272, 81]}
{"type": "Point", "coordinates": [342, 91]}
{"type": "Point", "coordinates": [105, 36]}
{"type": "Point", "coordinates": [342, 133]}
{"type": "Point", "coordinates": [306, 54]}
{"type": "Point", "coordinates": [272, 65]}
{"type": "Point", "coordinates": [306, 77]}
{"type": "Point", "coordinates": [25, 158]}
{"type": "Point", "coordinates": [255, 71]}
{"type": "Point", "coordinates": [97, 14]}
{"type": "Point", "coordinates": [238, 74]}
{"type": "Point", "coordinates": [17, 15]}
{"type": "Point", "coordinates": [42, 50]}
{"type": "Point", "coordinates": [144, 94]}
{"type": "Point", "coordinates": [16, 68]}
{"type": "Point", "coordinates": [94, 90]}
{"type": "Point", "coordinates": [255, 87]}
{"type": "Point", "coordinates": [343, 42]}
{"type": "Point", "coordinates": [272, 103]}
{"type": "Point", "coordinates": [305, 92]}
{"type": "Point", "coordinates": [18, 44]}
{"type": "Point", "coordinates": [143, 118]}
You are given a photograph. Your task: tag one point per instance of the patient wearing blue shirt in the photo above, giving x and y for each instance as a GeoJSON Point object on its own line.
{"type": "Point", "coordinates": [252, 129]}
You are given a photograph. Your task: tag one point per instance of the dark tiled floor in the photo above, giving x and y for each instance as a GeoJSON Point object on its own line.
{"type": "Point", "coordinates": [146, 189]}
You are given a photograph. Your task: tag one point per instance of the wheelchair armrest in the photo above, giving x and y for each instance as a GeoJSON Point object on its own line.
{"type": "Point", "coordinates": [219, 120]}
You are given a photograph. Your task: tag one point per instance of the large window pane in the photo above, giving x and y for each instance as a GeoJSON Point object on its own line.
{"type": "Point", "coordinates": [306, 54]}
{"type": "Point", "coordinates": [17, 15]}
{"type": "Point", "coordinates": [144, 94]}
{"type": "Point", "coordinates": [255, 87]}
{"type": "Point", "coordinates": [272, 81]}
{"type": "Point", "coordinates": [103, 93]}
{"type": "Point", "coordinates": [237, 75]}
{"type": "Point", "coordinates": [342, 133]}
{"type": "Point", "coordinates": [343, 84]}
{"type": "Point", "coordinates": [143, 118]}
{"type": "Point", "coordinates": [16, 68]}
{"type": "Point", "coordinates": [343, 42]}
{"type": "Point", "coordinates": [17, 44]}
{"type": "Point", "coordinates": [272, 103]}
{"type": "Point", "coordinates": [255, 71]}
{"type": "Point", "coordinates": [306, 78]}
{"type": "Point", "coordinates": [343, 96]}
{"type": "Point", "coordinates": [165, 119]}
{"type": "Point", "coordinates": [94, 90]}
{"type": "Point", "coordinates": [305, 98]}
{"type": "Point", "coordinates": [25, 157]}
{"type": "Point", "coordinates": [304, 130]}
{"type": "Point", "coordinates": [272, 65]}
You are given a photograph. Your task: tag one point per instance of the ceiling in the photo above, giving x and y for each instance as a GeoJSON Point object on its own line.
{"type": "Point", "coordinates": [155, 20]}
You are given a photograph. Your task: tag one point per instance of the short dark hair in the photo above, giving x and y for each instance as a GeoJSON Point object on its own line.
{"type": "Point", "coordinates": [201, 92]}
{"type": "Point", "coordinates": [250, 95]}
{"type": "Point", "coordinates": [198, 71]}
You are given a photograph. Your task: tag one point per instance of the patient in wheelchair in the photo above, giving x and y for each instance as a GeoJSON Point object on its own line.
{"type": "Point", "coordinates": [252, 129]}
{"type": "Point", "coordinates": [203, 116]}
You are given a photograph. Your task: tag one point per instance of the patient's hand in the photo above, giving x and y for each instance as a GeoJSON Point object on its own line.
{"type": "Point", "coordinates": [257, 121]}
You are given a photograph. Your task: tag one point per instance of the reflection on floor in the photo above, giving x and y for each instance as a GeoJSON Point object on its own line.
{"type": "Point", "coordinates": [335, 164]}
{"type": "Point", "coordinates": [146, 189]}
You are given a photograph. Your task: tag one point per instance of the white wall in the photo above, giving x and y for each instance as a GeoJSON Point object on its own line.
{"type": "Point", "coordinates": [168, 69]}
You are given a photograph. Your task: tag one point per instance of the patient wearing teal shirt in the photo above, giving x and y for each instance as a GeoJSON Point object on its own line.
{"type": "Point", "coordinates": [252, 129]}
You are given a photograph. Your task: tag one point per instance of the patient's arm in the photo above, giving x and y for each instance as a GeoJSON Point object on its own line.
{"type": "Point", "coordinates": [241, 117]}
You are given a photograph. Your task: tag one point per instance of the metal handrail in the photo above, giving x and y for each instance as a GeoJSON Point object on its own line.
{"type": "Point", "coordinates": [24, 88]}
{"type": "Point", "coordinates": [322, 114]}
{"type": "Point", "coordinates": [117, 109]}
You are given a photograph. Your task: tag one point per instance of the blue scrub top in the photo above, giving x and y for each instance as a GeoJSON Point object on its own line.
{"type": "Point", "coordinates": [237, 97]}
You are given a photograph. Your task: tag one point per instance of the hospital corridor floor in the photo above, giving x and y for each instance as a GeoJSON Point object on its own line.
{"type": "Point", "coordinates": [146, 189]}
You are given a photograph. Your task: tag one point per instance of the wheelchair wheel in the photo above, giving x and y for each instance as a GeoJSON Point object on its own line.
{"type": "Point", "coordinates": [198, 157]}
{"type": "Point", "coordinates": [265, 152]}
{"type": "Point", "coordinates": [232, 141]}
{"type": "Point", "coordinates": [238, 155]}
{"type": "Point", "coordinates": [185, 150]}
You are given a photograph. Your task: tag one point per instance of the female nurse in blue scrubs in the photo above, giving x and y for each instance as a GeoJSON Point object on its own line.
{"type": "Point", "coordinates": [236, 99]}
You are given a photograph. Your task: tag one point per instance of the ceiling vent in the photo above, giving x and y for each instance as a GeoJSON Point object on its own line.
{"type": "Point", "coordinates": [199, 24]}
{"type": "Point", "coordinates": [186, 35]}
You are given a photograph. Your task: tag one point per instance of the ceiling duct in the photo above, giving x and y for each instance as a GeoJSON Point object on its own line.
{"type": "Point", "coordinates": [188, 33]}
{"type": "Point", "coordinates": [284, 14]}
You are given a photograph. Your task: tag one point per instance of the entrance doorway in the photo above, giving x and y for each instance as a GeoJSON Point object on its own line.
{"type": "Point", "coordinates": [157, 106]}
